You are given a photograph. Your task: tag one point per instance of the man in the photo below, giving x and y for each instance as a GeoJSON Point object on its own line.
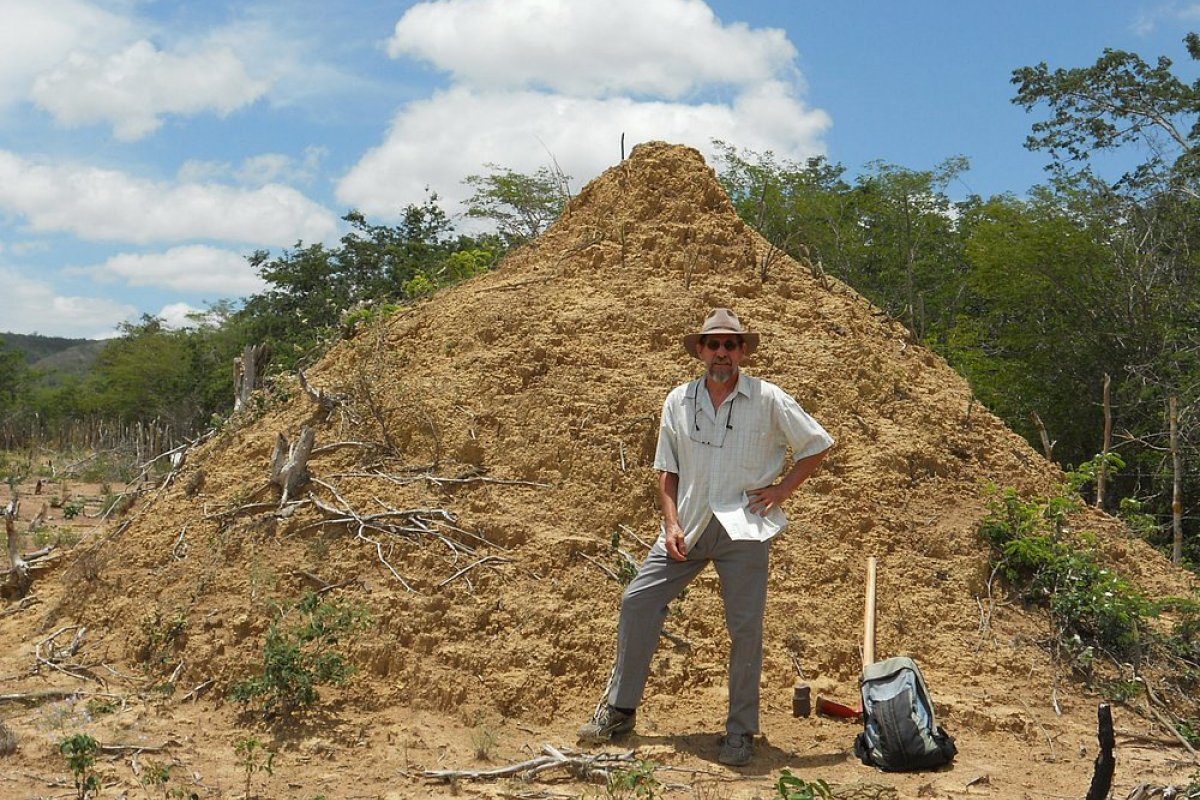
{"type": "Point", "coordinates": [722, 444]}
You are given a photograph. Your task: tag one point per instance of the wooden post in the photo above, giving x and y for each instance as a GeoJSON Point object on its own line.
{"type": "Point", "coordinates": [869, 616]}
{"type": "Point", "coordinates": [1177, 483]}
{"type": "Point", "coordinates": [1102, 474]}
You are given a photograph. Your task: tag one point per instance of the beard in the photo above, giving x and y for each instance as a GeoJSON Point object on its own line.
{"type": "Point", "coordinates": [721, 373]}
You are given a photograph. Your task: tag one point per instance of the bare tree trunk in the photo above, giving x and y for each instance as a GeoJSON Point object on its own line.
{"type": "Point", "coordinates": [1177, 483]}
{"type": "Point", "coordinates": [1047, 445]}
{"type": "Point", "coordinates": [1102, 474]}
{"type": "Point", "coordinates": [247, 371]}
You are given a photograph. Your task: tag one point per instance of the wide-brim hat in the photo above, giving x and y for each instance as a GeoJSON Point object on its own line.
{"type": "Point", "coordinates": [718, 321]}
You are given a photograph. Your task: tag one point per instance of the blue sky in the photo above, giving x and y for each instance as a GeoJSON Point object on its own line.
{"type": "Point", "coordinates": [148, 146]}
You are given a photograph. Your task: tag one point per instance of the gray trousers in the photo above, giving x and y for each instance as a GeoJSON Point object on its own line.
{"type": "Point", "coordinates": [742, 568]}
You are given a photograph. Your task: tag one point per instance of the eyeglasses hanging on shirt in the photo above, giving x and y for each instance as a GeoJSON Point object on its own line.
{"type": "Point", "coordinates": [715, 437]}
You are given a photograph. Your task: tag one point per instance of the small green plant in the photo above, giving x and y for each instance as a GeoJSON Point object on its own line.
{"type": "Point", "coordinates": [72, 509]}
{"type": "Point", "coordinates": [156, 774]}
{"type": "Point", "coordinates": [299, 657]}
{"type": "Point", "coordinates": [1189, 729]}
{"type": "Point", "coordinates": [635, 783]}
{"type": "Point", "coordinates": [253, 757]}
{"type": "Point", "coordinates": [80, 751]}
{"type": "Point", "coordinates": [789, 787]}
{"type": "Point", "coordinates": [624, 566]}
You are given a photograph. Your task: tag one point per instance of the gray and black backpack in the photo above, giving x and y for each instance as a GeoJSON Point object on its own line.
{"type": "Point", "coordinates": [900, 732]}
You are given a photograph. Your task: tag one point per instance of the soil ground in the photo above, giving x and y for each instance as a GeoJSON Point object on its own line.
{"type": "Point", "coordinates": [503, 434]}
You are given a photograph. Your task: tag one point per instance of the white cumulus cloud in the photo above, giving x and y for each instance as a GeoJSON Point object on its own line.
{"type": "Point", "coordinates": [535, 80]}
{"type": "Point", "coordinates": [37, 36]}
{"type": "Point", "coordinates": [665, 48]}
{"type": "Point", "coordinates": [525, 129]}
{"type": "Point", "coordinates": [133, 88]}
{"type": "Point", "coordinates": [34, 306]}
{"type": "Point", "coordinates": [108, 205]}
{"type": "Point", "coordinates": [189, 268]}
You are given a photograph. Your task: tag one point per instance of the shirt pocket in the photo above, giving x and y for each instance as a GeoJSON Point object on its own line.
{"type": "Point", "coordinates": [752, 447]}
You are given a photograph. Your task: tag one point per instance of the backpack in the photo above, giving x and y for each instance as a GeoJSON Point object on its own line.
{"type": "Point", "coordinates": [900, 733]}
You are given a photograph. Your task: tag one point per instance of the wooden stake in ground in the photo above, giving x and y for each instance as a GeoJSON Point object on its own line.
{"type": "Point", "coordinates": [869, 616]}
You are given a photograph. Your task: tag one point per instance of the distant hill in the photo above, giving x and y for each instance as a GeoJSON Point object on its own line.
{"type": "Point", "coordinates": [54, 355]}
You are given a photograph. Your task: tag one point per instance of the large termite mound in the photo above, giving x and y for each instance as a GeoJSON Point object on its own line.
{"type": "Point", "coordinates": [488, 445]}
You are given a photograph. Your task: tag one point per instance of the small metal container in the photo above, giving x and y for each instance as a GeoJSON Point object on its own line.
{"type": "Point", "coordinates": [801, 700]}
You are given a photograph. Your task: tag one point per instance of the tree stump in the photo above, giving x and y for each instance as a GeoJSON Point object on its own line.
{"type": "Point", "coordinates": [289, 463]}
{"type": "Point", "coordinates": [18, 579]}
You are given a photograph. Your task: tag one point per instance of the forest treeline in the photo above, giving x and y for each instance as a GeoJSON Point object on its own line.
{"type": "Point", "coordinates": [1047, 302]}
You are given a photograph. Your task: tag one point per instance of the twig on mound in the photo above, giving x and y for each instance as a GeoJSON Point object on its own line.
{"type": "Point", "coordinates": [473, 565]}
{"type": "Point", "coordinates": [138, 748]}
{"type": "Point", "coordinates": [596, 767]}
{"type": "Point", "coordinates": [1153, 704]}
{"type": "Point", "coordinates": [55, 655]}
{"type": "Point", "coordinates": [325, 400]}
{"type": "Point", "coordinates": [603, 568]}
{"type": "Point", "coordinates": [196, 692]}
{"type": "Point", "coordinates": [26, 601]}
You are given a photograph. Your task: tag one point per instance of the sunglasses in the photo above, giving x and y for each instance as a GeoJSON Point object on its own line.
{"type": "Point", "coordinates": [729, 344]}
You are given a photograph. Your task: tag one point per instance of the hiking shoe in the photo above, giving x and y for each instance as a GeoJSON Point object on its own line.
{"type": "Point", "coordinates": [607, 723]}
{"type": "Point", "coordinates": [736, 749]}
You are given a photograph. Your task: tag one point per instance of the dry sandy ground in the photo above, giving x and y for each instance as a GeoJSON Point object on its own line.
{"type": "Point", "coordinates": [510, 423]}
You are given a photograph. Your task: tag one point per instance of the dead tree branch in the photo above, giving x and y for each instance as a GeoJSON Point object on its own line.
{"type": "Point", "coordinates": [594, 767]}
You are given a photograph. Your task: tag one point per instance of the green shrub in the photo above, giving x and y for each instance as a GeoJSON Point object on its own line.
{"type": "Point", "coordinates": [1041, 557]}
{"type": "Point", "coordinates": [299, 657]}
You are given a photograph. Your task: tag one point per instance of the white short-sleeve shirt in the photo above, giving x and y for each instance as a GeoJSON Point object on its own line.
{"type": "Point", "coordinates": [720, 454]}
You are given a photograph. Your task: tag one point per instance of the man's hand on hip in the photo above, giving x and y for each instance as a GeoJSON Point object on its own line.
{"type": "Point", "coordinates": [676, 545]}
{"type": "Point", "coordinates": [768, 497]}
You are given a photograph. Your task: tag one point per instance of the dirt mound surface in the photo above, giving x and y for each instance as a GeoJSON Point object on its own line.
{"type": "Point", "coordinates": [486, 449]}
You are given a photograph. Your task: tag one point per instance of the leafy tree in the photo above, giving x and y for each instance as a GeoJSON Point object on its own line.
{"type": "Point", "coordinates": [311, 289]}
{"type": "Point", "coordinates": [1148, 220]}
{"type": "Point", "coordinates": [891, 233]}
{"type": "Point", "coordinates": [1118, 101]}
{"type": "Point", "coordinates": [14, 378]}
{"type": "Point", "coordinates": [522, 206]}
